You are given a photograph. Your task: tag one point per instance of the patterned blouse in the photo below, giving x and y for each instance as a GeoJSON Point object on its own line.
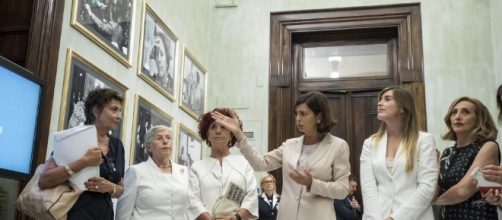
{"type": "Point", "coordinates": [455, 162]}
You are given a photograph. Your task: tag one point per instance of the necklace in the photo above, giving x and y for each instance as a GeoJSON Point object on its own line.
{"type": "Point", "coordinates": [165, 166]}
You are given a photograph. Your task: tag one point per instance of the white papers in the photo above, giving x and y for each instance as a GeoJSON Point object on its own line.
{"type": "Point", "coordinates": [70, 145]}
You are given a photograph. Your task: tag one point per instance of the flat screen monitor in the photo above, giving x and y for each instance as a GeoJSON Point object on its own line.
{"type": "Point", "coordinates": [20, 95]}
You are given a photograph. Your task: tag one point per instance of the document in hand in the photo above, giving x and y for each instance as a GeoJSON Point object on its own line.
{"type": "Point", "coordinates": [70, 145]}
{"type": "Point", "coordinates": [483, 184]}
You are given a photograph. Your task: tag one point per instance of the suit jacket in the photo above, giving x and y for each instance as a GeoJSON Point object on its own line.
{"type": "Point", "coordinates": [209, 181]}
{"type": "Point", "coordinates": [151, 194]}
{"type": "Point", "coordinates": [328, 164]}
{"type": "Point", "coordinates": [344, 210]}
{"type": "Point", "coordinates": [400, 194]}
{"type": "Point", "coordinates": [266, 210]}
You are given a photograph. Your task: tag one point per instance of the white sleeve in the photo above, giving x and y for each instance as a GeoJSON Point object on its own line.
{"type": "Point", "coordinates": [194, 183]}
{"type": "Point", "coordinates": [372, 206]}
{"type": "Point", "coordinates": [127, 201]}
{"type": "Point", "coordinates": [195, 205]}
{"type": "Point", "coordinates": [250, 202]}
{"type": "Point", "coordinates": [427, 178]}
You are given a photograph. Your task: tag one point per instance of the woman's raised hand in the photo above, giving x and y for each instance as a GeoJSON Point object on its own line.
{"type": "Point", "coordinates": [230, 123]}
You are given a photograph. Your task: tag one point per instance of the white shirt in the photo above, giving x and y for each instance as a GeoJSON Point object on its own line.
{"type": "Point", "coordinates": [209, 180]}
{"type": "Point", "coordinates": [151, 194]}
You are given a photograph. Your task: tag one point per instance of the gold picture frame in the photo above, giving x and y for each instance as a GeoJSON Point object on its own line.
{"type": "Point", "coordinates": [193, 85]}
{"type": "Point", "coordinates": [81, 77]}
{"type": "Point", "coordinates": [157, 53]}
{"type": "Point", "coordinates": [109, 26]}
{"type": "Point", "coordinates": [189, 146]}
{"type": "Point", "coordinates": [146, 115]}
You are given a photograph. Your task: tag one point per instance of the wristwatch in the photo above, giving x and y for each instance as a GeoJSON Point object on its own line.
{"type": "Point", "coordinates": [69, 170]}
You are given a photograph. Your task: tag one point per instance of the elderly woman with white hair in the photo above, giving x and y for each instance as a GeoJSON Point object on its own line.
{"type": "Point", "coordinates": [159, 188]}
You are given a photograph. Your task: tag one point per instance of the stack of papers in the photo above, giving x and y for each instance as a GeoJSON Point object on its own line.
{"type": "Point", "coordinates": [70, 145]}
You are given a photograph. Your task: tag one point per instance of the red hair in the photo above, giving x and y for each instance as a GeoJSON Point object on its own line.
{"type": "Point", "coordinates": [206, 120]}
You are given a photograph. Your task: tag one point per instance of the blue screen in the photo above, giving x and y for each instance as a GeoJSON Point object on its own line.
{"type": "Point", "coordinates": [19, 103]}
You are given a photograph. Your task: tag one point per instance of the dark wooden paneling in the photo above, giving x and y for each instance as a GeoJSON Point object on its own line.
{"type": "Point", "coordinates": [30, 35]}
{"type": "Point", "coordinates": [15, 23]}
{"type": "Point", "coordinates": [42, 58]}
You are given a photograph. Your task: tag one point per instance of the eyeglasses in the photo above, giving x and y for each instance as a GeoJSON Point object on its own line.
{"type": "Point", "coordinates": [268, 181]}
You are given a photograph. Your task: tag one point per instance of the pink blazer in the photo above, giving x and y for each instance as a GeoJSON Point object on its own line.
{"type": "Point", "coordinates": [329, 166]}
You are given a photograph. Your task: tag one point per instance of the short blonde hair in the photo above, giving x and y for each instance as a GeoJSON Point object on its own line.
{"type": "Point", "coordinates": [262, 179]}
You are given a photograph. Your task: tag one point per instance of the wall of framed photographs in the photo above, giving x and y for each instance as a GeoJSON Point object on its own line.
{"type": "Point", "coordinates": [137, 47]}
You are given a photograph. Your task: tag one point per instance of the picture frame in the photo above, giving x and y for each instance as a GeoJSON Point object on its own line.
{"type": "Point", "coordinates": [194, 85]}
{"type": "Point", "coordinates": [81, 77]}
{"type": "Point", "coordinates": [108, 24]}
{"type": "Point", "coordinates": [190, 146]}
{"type": "Point", "coordinates": [146, 115]}
{"type": "Point", "coordinates": [157, 53]}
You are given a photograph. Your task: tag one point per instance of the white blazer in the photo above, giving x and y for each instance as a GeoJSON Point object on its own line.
{"type": "Point", "coordinates": [329, 166]}
{"type": "Point", "coordinates": [397, 193]}
{"type": "Point", "coordinates": [151, 194]}
{"type": "Point", "coordinates": [209, 181]}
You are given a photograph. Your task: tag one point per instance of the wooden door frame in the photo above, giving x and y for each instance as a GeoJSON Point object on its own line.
{"type": "Point", "coordinates": [284, 25]}
{"type": "Point", "coordinates": [42, 59]}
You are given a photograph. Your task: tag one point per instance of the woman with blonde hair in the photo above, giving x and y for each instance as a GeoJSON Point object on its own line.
{"type": "Point", "coordinates": [269, 200]}
{"type": "Point", "coordinates": [472, 128]}
{"type": "Point", "coordinates": [398, 162]}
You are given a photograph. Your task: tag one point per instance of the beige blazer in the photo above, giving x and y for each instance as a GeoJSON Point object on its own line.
{"type": "Point", "coordinates": [329, 166]}
{"type": "Point", "coordinates": [400, 194]}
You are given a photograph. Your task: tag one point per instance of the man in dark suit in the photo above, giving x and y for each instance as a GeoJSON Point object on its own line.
{"type": "Point", "coordinates": [348, 208]}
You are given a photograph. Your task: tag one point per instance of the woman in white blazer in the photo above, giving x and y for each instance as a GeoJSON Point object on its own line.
{"type": "Point", "coordinates": [224, 182]}
{"type": "Point", "coordinates": [159, 188]}
{"type": "Point", "coordinates": [398, 163]}
{"type": "Point", "coordinates": [315, 165]}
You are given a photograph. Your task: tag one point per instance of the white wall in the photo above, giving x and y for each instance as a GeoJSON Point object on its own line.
{"type": "Point", "coordinates": [460, 41]}
{"type": "Point", "coordinates": [457, 43]}
{"type": "Point", "coordinates": [188, 19]}
{"type": "Point", "coordinates": [496, 18]}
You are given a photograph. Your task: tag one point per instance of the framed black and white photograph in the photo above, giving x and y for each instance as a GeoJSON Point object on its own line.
{"type": "Point", "coordinates": [157, 53]}
{"type": "Point", "coordinates": [193, 88]}
{"type": "Point", "coordinates": [81, 77]}
{"type": "Point", "coordinates": [190, 146]}
{"type": "Point", "coordinates": [146, 115]}
{"type": "Point", "coordinates": [108, 23]}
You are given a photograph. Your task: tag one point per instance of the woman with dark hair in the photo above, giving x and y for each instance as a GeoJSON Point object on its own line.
{"type": "Point", "coordinates": [398, 162]}
{"type": "Point", "coordinates": [315, 165]}
{"type": "Point", "coordinates": [472, 128]}
{"type": "Point", "coordinates": [158, 63]}
{"type": "Point", "coordinates": [103, 108]}
{"type": "Point", "coordinates": [224, 182]}
{"type": "Point", "coordinates": [494, 172]}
